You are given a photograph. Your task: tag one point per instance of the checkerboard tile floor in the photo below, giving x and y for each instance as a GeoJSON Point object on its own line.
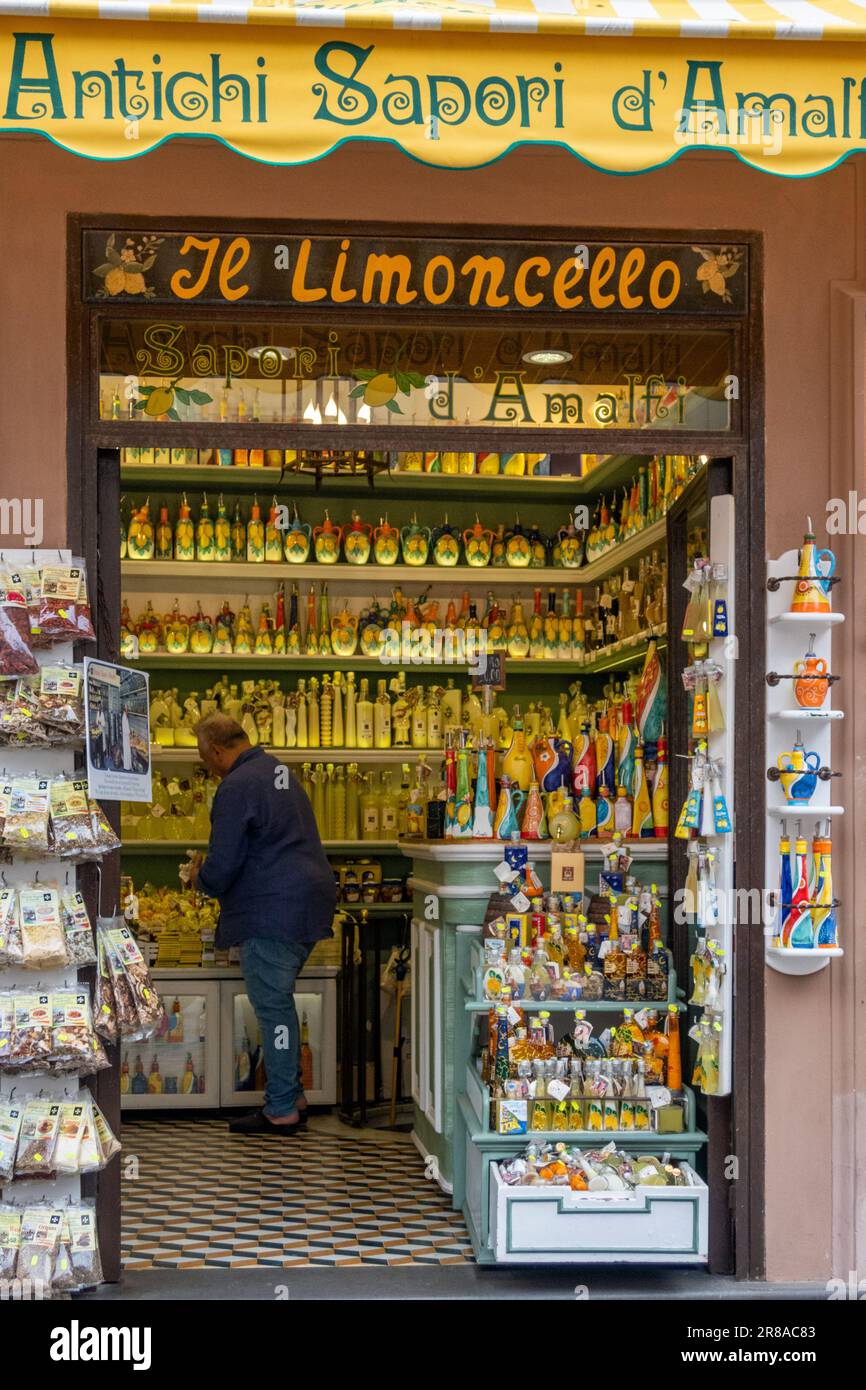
{"type": "Point", "coordinates": [204, 1197]}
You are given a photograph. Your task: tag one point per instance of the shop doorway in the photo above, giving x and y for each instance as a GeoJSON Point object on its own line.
{"type": "Point", "coordinates": [365, 459]}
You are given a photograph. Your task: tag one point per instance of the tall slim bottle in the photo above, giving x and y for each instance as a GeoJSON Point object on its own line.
{"type": "Point", "coordinates": [642, 816]}
{"type": "Point", "coordinates": [364, 717]}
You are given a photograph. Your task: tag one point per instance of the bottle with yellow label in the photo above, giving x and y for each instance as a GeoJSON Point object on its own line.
{"type": "Point", "coordinates": [389, 809]}
{"type": "Point", "coordinates": [238, 535]}
{"type": "Point", "coordinates": [163, 548]}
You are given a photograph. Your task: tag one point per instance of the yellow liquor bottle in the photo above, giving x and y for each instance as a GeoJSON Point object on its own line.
{"type": "Point", "coordinates": [382, 718]}
{"type": "Point", "coordinates": [518, 633]}
{"type": "Point", "coordinates": [517, 762]}
{"type": "Point", "coordinates": [389, 809]}
{"type": "Point", "coordinates": [351, 720]}
{"type": "Point", "coordinates": [256, 535]}
{"type": "Point", "coordinates": [313, 726]}
{"type": "Point", "coordinates": [364, 717]}
{"type": "Point", "coordinates": [222, 533]}
{"type": "Point", "coordinates": [184, 533]}
{"type": "Point", "coordinates": [642, 815]}
{"type": "Point", "coordinates": [204, 533]}
{"type": "Point", "coordinates": [370, 809]}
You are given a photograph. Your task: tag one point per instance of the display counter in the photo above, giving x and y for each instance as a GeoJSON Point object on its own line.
{"type": "Point", "coordinates": [208, 1054]}
{"type": "Point", "coordinates": [452, 884]}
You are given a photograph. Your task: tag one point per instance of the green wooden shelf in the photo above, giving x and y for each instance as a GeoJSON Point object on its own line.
{"type": "Point", "coordinates": [166, 661]}
{"type": "Point", "coordinates": [142, 574]}
{"type": "Point", "coordinates": [167, 756]}
{"type": "Point", "coordinates": [597, 1006]}
{"type": "Point", "coordinates": [615, 472]}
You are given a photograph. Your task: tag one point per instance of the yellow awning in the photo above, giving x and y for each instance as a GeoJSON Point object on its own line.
{"type": "Point", "coordinates": [626, 85]}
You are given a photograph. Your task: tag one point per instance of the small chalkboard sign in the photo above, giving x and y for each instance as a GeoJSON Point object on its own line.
{"type": "Point", "coordinates": [492, 675]}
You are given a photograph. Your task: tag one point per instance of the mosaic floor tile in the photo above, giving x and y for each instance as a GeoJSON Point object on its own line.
{"type": "Point", "coordinates": [208, 1198]}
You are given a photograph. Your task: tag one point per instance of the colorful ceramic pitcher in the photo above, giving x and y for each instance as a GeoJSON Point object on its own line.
{"type": "Point", "coordinates": [446, 544]}
{"type": "Point", "coordinates": [798, 773]}
{"type": "Point", "coordinates": [478, 545]}
{"type": "Point", "coordinates": [506, 822]}
{"type": "Point", "coordinates": [415, 541]}
{"type": "Point", "coordinates": [326, 541]}
{"type": "Point", "coordinates": [357, 541]}
{"type": "Point", "coordinates": [386, 543]}
{"type": "Point", "coordinates": [810, 687]}
{"type": "Point", "coordinates": [296, 546]}
{"type": "Point", "coordinates": [518, 549]}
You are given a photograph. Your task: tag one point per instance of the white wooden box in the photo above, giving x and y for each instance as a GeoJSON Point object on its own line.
{"type": "Point", "coordinates": [553, 1225]}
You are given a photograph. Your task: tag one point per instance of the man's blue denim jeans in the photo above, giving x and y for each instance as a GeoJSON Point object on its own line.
{"type": "Point", "coordinates": [270, 969]}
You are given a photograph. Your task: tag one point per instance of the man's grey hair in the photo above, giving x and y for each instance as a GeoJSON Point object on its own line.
{"type": "Point", "coordinates": [219, 731]}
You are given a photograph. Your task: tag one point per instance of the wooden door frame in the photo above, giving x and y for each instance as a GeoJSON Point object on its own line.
{"type": "Point", "coordinates": [93, 533]}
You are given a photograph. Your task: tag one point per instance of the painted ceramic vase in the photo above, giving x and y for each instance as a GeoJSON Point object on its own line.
{"type": "Point", "coordinates": [415, 542]}
{"type": "Point", "coordinates": [326, 541]}
{"type": "Point", "coordinates": [357, 541]}
{"type": "Point", "coordinates": [344, 633]}
{"type": "Point", "coordinates": [446, 545]}
{"type": "Point", "coordinates": [570, 549]}
{"type": "Point", "coordinates": [798, 773]}
{"type": "Point", "coordinates": [478, 545]}
{"type": "Point", "coordinates": [810, 687]}
{"type": "Point", "coordinates": [518, 549]}
{"type": "Point", "coordinates": [296, 546]}
{"type": "Point", "coordinates": [386, 543]}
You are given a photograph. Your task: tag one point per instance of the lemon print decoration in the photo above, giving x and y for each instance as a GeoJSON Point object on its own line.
{"type": "Point", "coordinates": [123, 271]}
{"type": "Point", "coordinates": [156, 401]}
{"type": "Point", "coordinates": [381, 388]}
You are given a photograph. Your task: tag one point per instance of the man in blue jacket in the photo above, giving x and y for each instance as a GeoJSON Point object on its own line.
{"type": "Point", "coordinates": [266, 866]}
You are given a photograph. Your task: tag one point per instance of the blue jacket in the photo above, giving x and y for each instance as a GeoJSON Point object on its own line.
{"type": "Point", "coordinates": [265, 861]}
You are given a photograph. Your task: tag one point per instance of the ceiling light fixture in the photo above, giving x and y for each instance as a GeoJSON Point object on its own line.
{"type": "Point", "coordinates": [547, 357]}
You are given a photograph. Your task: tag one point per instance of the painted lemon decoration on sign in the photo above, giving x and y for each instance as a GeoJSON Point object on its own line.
{"type": "Point", "coordinates": [156, 401]}
{"type": "Point", "coordinates": [717, 269]}
{"type": "Point", "coordinates": [123, 271]}
{"type": "Point", "coordinates": [382, 388]}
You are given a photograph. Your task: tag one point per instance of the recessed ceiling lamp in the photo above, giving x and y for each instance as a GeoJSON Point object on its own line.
{"type": "Point", "coordinates": [547, 357]}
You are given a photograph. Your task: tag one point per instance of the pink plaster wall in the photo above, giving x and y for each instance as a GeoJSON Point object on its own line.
{"type": "Point", "coordinates": [809, 228]}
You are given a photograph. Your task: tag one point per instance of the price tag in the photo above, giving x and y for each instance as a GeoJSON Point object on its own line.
{"type": "Point", "coordinates": [627, 586]}
{"type": "Point", "coordinates": [520, 902]}
{"type": "Point", "coordinates": [658, 1096]}
{"type": "Point", "coordinates": [504, 872]}
{"type": "Point", "coordinates": [557, 1089]}
{"type": "Point", "coordinates": [605, 601]}
{"type": "Point", "coordinates": [513, 1016]}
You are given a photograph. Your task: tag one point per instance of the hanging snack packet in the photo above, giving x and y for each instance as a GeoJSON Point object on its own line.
{"type": "Point", "coordinates": [60, 594]}
{"type": "Point", "coordinates": [5, 803]}
{"type": "Point", "coordinates": [80, 945]}
{"type": "Point", "coordinates": [31, 578]}
{"type": "Point", "coordinates": [19, 719]}
{"type": "Point", "coordinates": [91, 1158]}
{"type": "Point", "coordinates": [40, 1236]}
{"type": "Point", "coordinates": [26, 825]}
{"type": "Point", "coordinates": [11, 948]}
{"type": "Point", "coordinates": [105, 1021]}
{"type": "Point", "coordinates": [124, 1000]}
{"type": "Point", "coordinates": [70, 818]}
{"type": "Point", "coordinates": [83, 615]}
{"type": "Point", "coordinates": [63, 1278]}
{"type": "Point", "coordinates": [105, 837]}
{"type": "Point", "coordinates": [84, 1246]}
{"type": "Point", "coordinates": [73, 1039]}
{"type": "Point", "coordinates": [148, 1005]}
{"type": "Point", "coordinates": [108, 1141]}
{"type": "Point", "coordinates": [31, 1037]}
{"type": "Point", "coordinates": [16, 655]}
{"type": "Point", "coordinates": [10, 1128]}
{"type": "Point", "coordinates": [7, 1028]}
{"type": "Point", "coordinates": [72, 1118]}
{"type": "Point", "coordinates": [43, 939]}
{"type": "Point", "coordinates": [10, 1240]}
{"type": "Point", "coordinates": [40, 1126]}
{"type": "Point", "coordinates": [61, 701]}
